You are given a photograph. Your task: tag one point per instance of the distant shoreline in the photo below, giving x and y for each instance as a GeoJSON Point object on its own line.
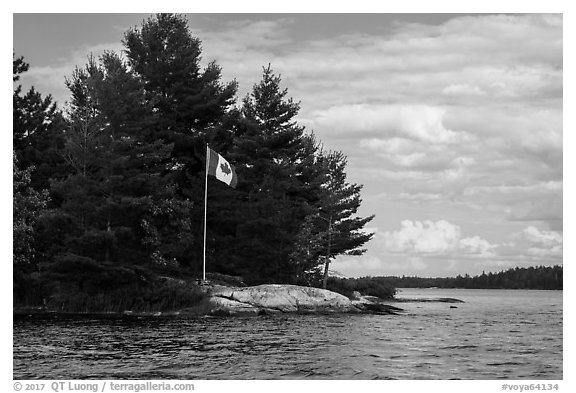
{"type": "Point", "coordinates": [534, 277]}
{"type": "Point", "coordinates": [490, 289]}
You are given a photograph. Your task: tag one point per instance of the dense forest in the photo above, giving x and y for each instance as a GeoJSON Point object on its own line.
{"type": "Point", "coordinates": [540, 277]}
{"type": "Point", "coordinates": [109, 190]}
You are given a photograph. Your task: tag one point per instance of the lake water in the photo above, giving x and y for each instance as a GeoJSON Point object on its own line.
{"type": "Point", "coordinates": [495, 334]}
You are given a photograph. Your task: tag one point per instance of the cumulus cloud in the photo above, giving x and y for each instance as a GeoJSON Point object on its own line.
{"type": "Point", "coordinates": [476, 245]}
{"type": "Point", "coordinates": [422, 237]}
{"type": "Point", "coordinates": [421, 246]}
{"type": "Point", "coordinates": [544, 238]}
{"type": "Point", "coordinates": [438, 248]}
{"type": "Point", "coordinates": [429, 237]}
{"type": "Point", "coordinates": [534, 244]}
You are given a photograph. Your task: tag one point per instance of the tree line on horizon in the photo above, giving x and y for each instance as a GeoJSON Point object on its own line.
{"type": "Point", "coordinates": [112, 187]}
{"type": "Point", "coordinates": [534, 277]}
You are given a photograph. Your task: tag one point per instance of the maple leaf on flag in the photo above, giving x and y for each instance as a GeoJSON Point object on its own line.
{"type": "Point", "coordinates": [225, 168]}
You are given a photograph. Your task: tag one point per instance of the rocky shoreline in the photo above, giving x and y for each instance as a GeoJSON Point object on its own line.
{"type": "Point", "coordinates": [429, 300]}
{"type": "Point", "coordinates": [275, 298]}
{"type": "Point", "coordinates": [266, 299]}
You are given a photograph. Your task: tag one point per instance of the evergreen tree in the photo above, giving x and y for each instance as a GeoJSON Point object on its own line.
{"type": "Point", "coordinates": [277, 182]}
{"type": "Point", "coordinates": [28, 204]}
{"type": "Point", "coordinates": [191, 106]}
{"type": "Point", "coordinates": [187, 101]}
{"type": "Point", "coordinates": [334, 228]}
{"type": "Point", "coordinates": [120, 199]}
{"type": "Point", "coordinates": [37, 132]}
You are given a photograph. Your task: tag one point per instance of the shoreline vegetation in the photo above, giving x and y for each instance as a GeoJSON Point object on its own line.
{"type": "Point", "coordinates": [145, 293]}
{"type": "Point", "coordinates": [534, 277]}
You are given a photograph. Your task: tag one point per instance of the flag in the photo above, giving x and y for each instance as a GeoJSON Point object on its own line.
{"type": "Point", "coordinates": [221, 169]}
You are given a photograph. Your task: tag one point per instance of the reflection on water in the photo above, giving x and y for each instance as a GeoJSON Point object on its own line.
{"type": "Point", "coordinates": [495, 334]}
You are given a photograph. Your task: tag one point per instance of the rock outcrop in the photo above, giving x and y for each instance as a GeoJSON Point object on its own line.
{"type": "Point", "coordinates": [374, 305]}
{"type": "Point", "coordinates": [275, 298]}
{"type": "Point", "coordinates": [429, 300]}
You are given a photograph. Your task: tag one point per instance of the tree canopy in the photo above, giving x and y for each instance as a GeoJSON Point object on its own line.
{"type": "Point", "coordinates": [122, 170]}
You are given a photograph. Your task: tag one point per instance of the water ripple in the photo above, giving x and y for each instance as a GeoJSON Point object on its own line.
{"type": "Point", "coordinates": [485, 338]}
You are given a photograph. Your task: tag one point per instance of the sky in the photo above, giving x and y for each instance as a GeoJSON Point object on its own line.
{"type": "Point", "coordinates": [453, 123]}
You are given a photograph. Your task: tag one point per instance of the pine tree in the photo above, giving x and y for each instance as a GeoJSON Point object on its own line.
{"type": "Point", "coordinates": [187, 100]}
{"type": "Point", "coordinates": [121, 197]}
{"type": "Point", "coordinates": [37, 132]}
{"type": "Point", "coordinates": [190, 104]}
{"type": "Point", "coordinates": [274, 158]}
{"type": "Point", "coordinates": [28, 204]}
{"type": "Point", "coordinates": [342, 231]}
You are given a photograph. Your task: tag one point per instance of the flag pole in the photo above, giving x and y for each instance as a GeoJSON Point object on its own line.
{"type": "Point", "coordinates": [205, 210]}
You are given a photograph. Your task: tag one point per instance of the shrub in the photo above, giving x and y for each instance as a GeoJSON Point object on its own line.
{"type": "Point", "coordinates": [79, 284]}
{"type": "Point", "coordinates": [368, 286]}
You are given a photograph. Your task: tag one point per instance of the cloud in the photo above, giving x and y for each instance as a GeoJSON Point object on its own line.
{"type": "Point", "coordinates": [544, 238]}
{"type": "Point", "coordinates": [263, 34]}
{"type": "Point", "coordinates": [422, 237]}
{"type": "Point", "coordinates": [243, 47]}
{"type": "Point", "coordinates": [486, 89]}
{"type": "Point", "coordinates": [439, 248]}
{"type": "Point", "coordinates": [406, 154]}
{"type": "Point", "coordinates": [540, 201]}
{"type": "Point", "coordinates": [429, 237]}
{"type": "Point", "coordinates": [442, 238]}
{"type": "Point", "coordinates": [51, 78]}
{"type": "Point", "coordinates": [417, 263]}
{"type": "Point", "coordinates": [534, 244]}
{"type": "Point", "coordinates": [417, 122]}
{"type": "Point", "coordinates": [476, 245]}
{"type": "Point", "coordinates": [504, 36]}
{"type": "Point", "coordinates": [355, 266]}
{"type": "Point", "coordinates": [547, 210]}
{"type": "Point", "coordinates": [414, 62]}
{"type": "Point", "coordinates": [459, 89]}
